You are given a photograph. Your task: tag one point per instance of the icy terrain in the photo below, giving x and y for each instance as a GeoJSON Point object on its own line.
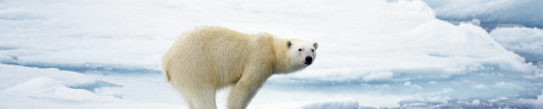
{"type": "Point", "coordinates": [491, 13]}
{"type": "Point", "coordinates": [373, 53]}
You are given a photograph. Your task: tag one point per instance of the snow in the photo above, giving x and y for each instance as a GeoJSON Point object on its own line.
{"type": "Point", "coordinates": [12, 75]}
{"type": "Point", "coordinates": [45, 83]}
{"type": "Point", "coordinates": [490, 13]}
{"type": "Point", "coordinates": [51, 88]}
{"type": "Point", "coordinates": [47, 88]}
{"type": "Point", "coordinates": [424, 49]}
{"type": "Point", "coordinates": [372, 54]}
{"type": "Point", "coordinates": [335, 105]}
{"type": "Point", "coordinates": [527, 42]}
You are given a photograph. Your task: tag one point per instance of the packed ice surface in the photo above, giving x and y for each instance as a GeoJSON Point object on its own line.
{"type": "Point", "coordinates": [527, 42]}
{"type": "Point", "coordinates": [491, 13]}
{"type": "Point", "coordinates": [50, 88]}
{"type": "Point", "coordinates": [372, 53]}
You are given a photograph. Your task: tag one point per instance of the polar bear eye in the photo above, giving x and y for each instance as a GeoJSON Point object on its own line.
{"type": "Point", "coordinates": [312, 50]}
{"type": "Point", "coordinates": [299, 49]}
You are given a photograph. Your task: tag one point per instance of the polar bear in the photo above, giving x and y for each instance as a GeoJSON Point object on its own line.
{"type": "Point", "coordinates": [206, 59]}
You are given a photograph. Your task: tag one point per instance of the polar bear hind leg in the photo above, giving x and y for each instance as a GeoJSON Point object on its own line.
{"type": "Point", "coordinates": [200, 97]}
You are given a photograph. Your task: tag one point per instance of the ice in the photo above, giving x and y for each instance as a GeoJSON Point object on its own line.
{"type": "Point", "coordinates": [29, 88]}
{"type": "Point", "coordinates": [435, 46]}
{"type": "Point", "coordinates": [12, 75]}
{"type": "Point", "coordinates": [539, 99]}
{"type": "Point", "coordinates": [527, 42]}
{"type": "Point", "coordinates": [15, 102]}
{"type": "Point", "coordinates": [490, 13]}
{"type": "Point", "coordinates": [47, 88]}
{"type": "Point", "coordinates": [334, 105]}
{"type": "Point", "coordinates": [64, 35]}
{"type": "Point", "coordinates": [49, 83]}
{"type": "Point", "coordinates": [372, 54]}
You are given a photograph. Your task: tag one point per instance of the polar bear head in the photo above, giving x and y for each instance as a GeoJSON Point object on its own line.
{"type": "Point", "coordinates": [297, 55]}
{"type": "Point", "coordinates": [301, 52]}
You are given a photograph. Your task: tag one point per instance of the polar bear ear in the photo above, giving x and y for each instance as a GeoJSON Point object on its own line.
{"type": "Point", "coordinates": [315, 45]}
{"type": "Point", "coordinates": [289, 44]}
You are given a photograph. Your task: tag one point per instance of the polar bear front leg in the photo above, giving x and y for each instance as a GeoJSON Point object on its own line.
{"type": "Point", "coordinates": [243, 91]}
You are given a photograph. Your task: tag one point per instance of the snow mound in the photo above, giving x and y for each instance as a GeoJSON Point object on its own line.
{"type": "Point", "coordinates": [539, 99]}
{"type": "Point", "coordinates": [462, 46]}
{"type": "Point", "coordinates": [50, 88]}
{"type": "Point", "coordinates": [527, 42]}
{"type": "Point", "coordinates": [491, 13]}
{"type": "Point", "coordinates": [55, 84]}
{"type": "Point", "coordinates": [47, 88]}
{"type": "Point", "coordinates": [17, 74]}
{"type": "Point", "coordinates": [436, 49]}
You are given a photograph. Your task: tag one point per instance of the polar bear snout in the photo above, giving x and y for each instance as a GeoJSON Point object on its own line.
{"type": "Point", "coordinates": [308, 60]}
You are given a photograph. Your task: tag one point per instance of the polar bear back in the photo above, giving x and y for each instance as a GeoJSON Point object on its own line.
{"type": "Point", "coordinates": [215, 56]}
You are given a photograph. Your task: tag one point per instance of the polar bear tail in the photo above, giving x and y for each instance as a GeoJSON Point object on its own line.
{"type": "Point", "coordinates": [167, 75]}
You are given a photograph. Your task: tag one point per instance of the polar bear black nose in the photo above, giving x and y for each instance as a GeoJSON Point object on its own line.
{"type": "Point", "coordinates": [308, 60]}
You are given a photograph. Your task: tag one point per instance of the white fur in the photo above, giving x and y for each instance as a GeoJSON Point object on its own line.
{"type": "Point", "coordinates": [207, 59]}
